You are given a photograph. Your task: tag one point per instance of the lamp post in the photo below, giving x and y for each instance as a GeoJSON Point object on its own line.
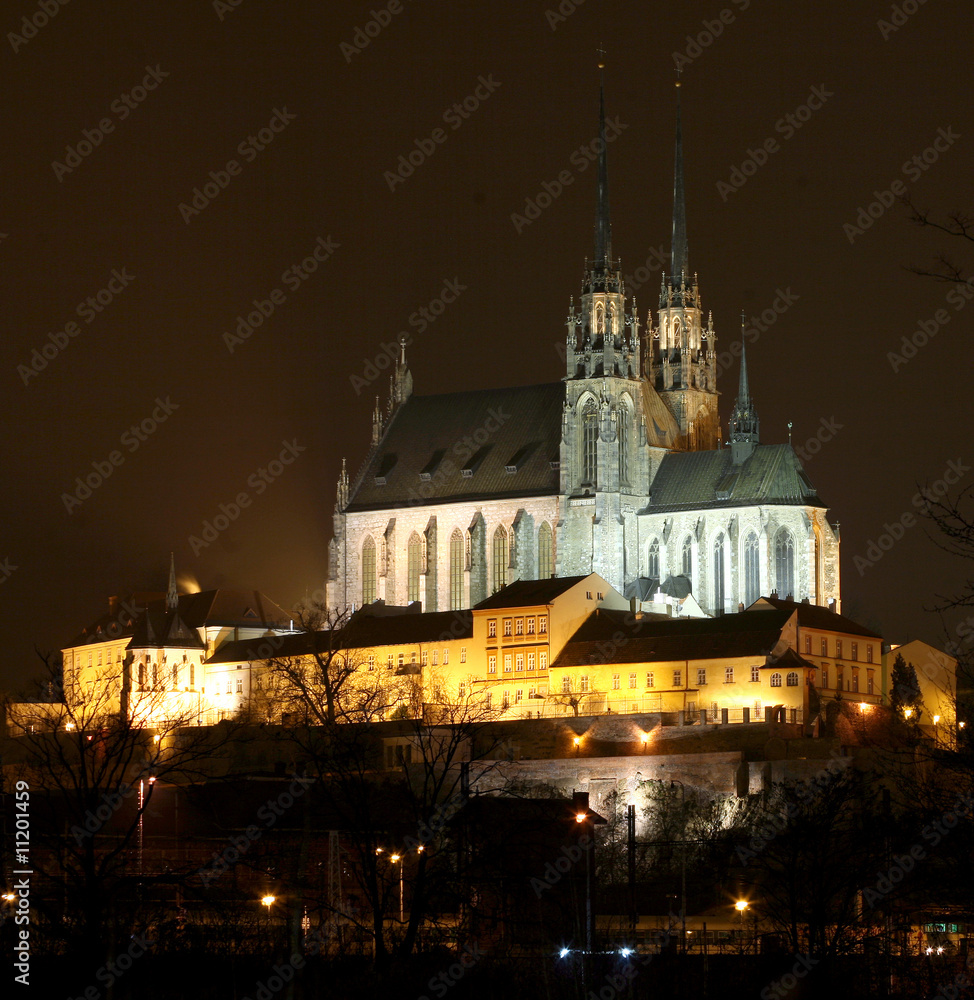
{"type": "Point", "coordinates": [741, 906]}
{"type": "Point", "coordinates": [268, 901]}
{"type": "Point", "coordinates": [683, 862]}
{"type": "Point", "coordinates": [397, 859]}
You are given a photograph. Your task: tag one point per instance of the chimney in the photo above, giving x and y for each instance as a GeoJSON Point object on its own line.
{"type": "Point", "coordinates": [113, 604]}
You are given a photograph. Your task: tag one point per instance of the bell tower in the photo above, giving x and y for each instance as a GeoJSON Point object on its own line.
{"type": "Point", "coordinates": [603, 462]}
{"type": "Point", "coordinates": [682, 364]}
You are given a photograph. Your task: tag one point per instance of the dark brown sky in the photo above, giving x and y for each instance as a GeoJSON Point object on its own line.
{"type": "Point", "coordinates": [220, 74]}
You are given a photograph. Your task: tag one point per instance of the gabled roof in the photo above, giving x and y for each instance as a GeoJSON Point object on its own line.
{"type": "Point", "coordinates": [240, 608]}
{"type": "Point", "coordinates": [464, 446]}
{"type": "Point", "coordinates": [362, 632]}
{"type": "Point", "coordinates": [526, 593]}
{"type": "Point", "coordinates": [815, 616]}
{"type": "Point", "coordinates": [697, 480]}
{"type": "Point", "coordinates": [748, 633]}
{"type": "Point", "coordinates": [164, 630]}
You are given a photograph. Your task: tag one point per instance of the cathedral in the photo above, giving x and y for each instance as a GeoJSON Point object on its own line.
{"type": "Point", "coordinates": [618, 468]}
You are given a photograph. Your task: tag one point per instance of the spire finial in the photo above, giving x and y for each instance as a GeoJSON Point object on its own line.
{"type": "Point", "coordinates": [172, 596]}
{"type": "Point", "coordinates": [603, 229]}
{"type": "Point", "coordinates": [743, 393]}
{"type": "Point", "coordinates": [678, 258]}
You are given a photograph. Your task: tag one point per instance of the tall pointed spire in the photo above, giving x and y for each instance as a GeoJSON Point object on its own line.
{"type": "Point", "coordinates": [678, 258]}
{"type": "Point", "coordinates": [172, 596]}
{"type": "Point", "coordinates": [744, 421]}
{"type": "Point", "coordinates": [743, 393]}
{"type": "Point", "coordinates": [603, 227]}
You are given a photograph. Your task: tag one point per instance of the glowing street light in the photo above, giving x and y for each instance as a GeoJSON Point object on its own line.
{"type": "Point", "coordinates": [741, 906]}
{"type": "Point", "coordinates": [268, 901]}
{"type": "Point", "coordinates": [936, 719]}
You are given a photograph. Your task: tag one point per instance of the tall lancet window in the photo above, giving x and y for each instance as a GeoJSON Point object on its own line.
{"type": "Point", "coordinates": [653, 568]}
{"type": "Point", "coordinates": [624, 427]}
{"type": "Point", "coordinates": [686, 560]}
{"type": "Point", "coordinates": [368, 570]}
{"type": "Point", "coordinates": [456, 570]}
{"type": "Point", "coordinates": [784, 563]}
{"type": "Point", "coordinates": [590, 444]}
{"type": "Point", "coordinates": [499, 558]}
{"type": "Point", "coordinates": [414, 561]}
{"type": "Point", "coordinates": [752, 575]}
{"type": "Point", "coordinates": [545, 552]}
{"type": "Point", "coordinates": [718, 564]}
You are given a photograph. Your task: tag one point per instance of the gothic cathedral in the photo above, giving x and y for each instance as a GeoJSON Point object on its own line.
{"type": "Point", "coordinates": [617, 469]}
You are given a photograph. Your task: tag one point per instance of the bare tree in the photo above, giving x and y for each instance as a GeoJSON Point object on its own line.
{"type": "Point", "coordinates": [956, 225]}
{"type": "Point", "coordinates": [92, 761]}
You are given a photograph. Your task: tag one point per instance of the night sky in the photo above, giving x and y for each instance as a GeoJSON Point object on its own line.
{"type": "Point", "coordinates": [152, 370]}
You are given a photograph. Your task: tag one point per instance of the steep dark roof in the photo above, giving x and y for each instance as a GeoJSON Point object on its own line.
{"type": "Point", "coordinates": [524, 593]}
{"type": "Point", "coordinates": [749, 633]}
{"type": "Point", "coordinates": [694, 480]}
{"type": "Point", "coordinates": [209, 607]}
{"type": "Point", "coordinates": [815, 616]}
{"type": "Point", "coordinates": [162, 630]}
{"type": "Point", "coordinates": [361, 632]}
{"type": "Point", "coordinates": [431, 440]}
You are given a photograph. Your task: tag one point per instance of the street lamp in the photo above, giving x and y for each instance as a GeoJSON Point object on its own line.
{"type": "Point", "coordinates": [741, 906]}
{"type": "Point", "coordinates": [397, 859]}
{"type": "Point", "coordinates": [683, 862]}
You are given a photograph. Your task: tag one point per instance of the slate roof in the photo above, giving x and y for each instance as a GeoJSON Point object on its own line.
{"type": "Point", "coordinates": [361, 632]}
{"type": "Point", "coordinates": [525, 593]}
{"type": "Point", "coordinates": [748, 633]}
{"type": "Point", "coordinates": [815, 616]}
{"type": "Point", "coordinates": [162, 630]}
{"type": "Point", "coordinates": [697, 480]}
{"type": "Point", "coordinates": [209, 607]}
{"type": "Point", "coordinates": [432, 439]}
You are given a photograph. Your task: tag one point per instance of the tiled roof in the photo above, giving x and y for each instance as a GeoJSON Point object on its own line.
{"type": "Point", "coordinates": [466, 445]}
{"type": "Point", "coordinates": [815, 616]}
{"type": "Point", "coordinates": [694, 480]}
{"type": "Point", "coordinates": [209, 607]}
{"type": "Point", "coordinates": [749, 633]}
{"type": "Point", "coordinates": [362, 632]}
{"type": "Point", "coordinates": [525, 593]}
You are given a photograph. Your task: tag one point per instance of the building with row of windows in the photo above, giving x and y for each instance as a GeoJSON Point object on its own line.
{"type": "Point", "coordinates": [618, 469]}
